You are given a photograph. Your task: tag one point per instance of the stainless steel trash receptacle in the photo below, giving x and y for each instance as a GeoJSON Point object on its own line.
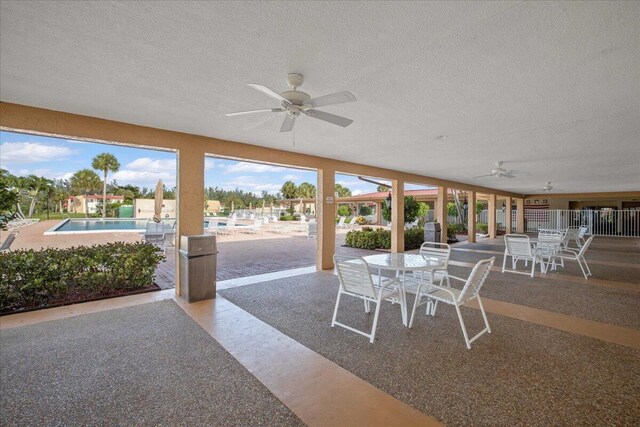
{"type": "Point", "coordinates": [198, 258]}
{"type": "Point", "coordinates": [432, 232]}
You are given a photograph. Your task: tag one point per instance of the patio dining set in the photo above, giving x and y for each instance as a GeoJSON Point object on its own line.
{"type": "Point", "coordinates": [552, 246]}
{"type": "Point", "coordinates": [425, 275]}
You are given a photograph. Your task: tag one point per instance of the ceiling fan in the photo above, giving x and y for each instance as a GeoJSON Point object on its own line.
{"type": "Point", "coordinates": [547, 187]}
{"type": "Point", "coordinates": [499, 172]}
{"type": "Point", "coordinates": [293, 102]}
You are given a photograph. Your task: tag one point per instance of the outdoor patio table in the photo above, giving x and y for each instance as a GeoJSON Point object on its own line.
{"type": "Point", "coordinates": [401, 263]}
{"type": "Point", "coordinates": [547, 248]}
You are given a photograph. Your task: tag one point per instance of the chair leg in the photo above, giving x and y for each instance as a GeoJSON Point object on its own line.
{"type": "Point", "coordinates": [533, 266]}
{"type": "Point", "coordinates": [367, 306]}
{"type": "Point", "coordinates": [484, 315]}
{"type": "Point", "coordinates": [587, 265]}
{"type": "Point", "coordinates": [335, 311]}
{"type": "Point", "coordinates": [375, 319]}
{"type": "Point", "coordinates": [464, 330]}
{"type": "Point", "coordinates": [504, 262]}
{"type": "Point", "coordinates": [582, 268]}
{"type": "Point", "coordinates": [415, 306]}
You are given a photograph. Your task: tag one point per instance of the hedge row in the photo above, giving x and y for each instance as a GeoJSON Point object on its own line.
{"type": "Point", "coordinates": [30, 278]}
{"type": "Point", "coordinates": [368, 238]}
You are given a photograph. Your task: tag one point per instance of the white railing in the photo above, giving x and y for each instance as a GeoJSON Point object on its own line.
{"type": "Point", "coordinates": [623, 223]}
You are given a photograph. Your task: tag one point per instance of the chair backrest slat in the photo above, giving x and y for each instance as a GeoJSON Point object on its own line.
{"type": "Point", "coordinates": [583, 231]}
{"type": "Point", "coordinates": [440, 252]}
{"type": "Point", "coordinates": [476, 279]}
{"type": "Point", "coordinates": [518, 245]}
{"type": "Point", "coordinates": [354, 275]}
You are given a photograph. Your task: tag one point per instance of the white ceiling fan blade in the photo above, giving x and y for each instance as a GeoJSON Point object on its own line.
{"type": "Point", "coordinates": [331, 118]}
{"type": "Point", "coordinates": [334, 98]}
{"type": "Point", "coordinates": [287, 124]}
{"type": "Point", "coordinates": [508, 175]}
{"type": "Point", "coordinates": [483, 176]}
{"type": "Point", "coordinates": [265, 110]}
{"type": "Point", "coordinates": [269, 92]}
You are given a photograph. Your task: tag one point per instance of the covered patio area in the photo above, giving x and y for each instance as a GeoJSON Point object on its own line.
{"type": "Point", "coordinates": [562, 351]}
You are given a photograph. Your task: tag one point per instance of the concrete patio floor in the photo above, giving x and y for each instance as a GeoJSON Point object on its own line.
{"type": "Point", "coordinates": [563, 350]}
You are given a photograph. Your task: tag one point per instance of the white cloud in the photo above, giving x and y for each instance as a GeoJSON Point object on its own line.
{"type": "Point", "coordinates": [249, 183]}
{"type": "Point", "coordinates": [147, 164]}
{"type": "Point", "coordinates": [210, 164]}
{"type": "Point", "coordinates": [357, 192]}
{"type": "Point", "coordinates": [244, 167]}
{"type": "Point", "coordinates": [144, 178]}
{"type": "Point", "coordinates": [47, 173]}
{"type": "Point", "coordinates": [291, 177]}
{"type": "Point", "coordinates": [33, 152]}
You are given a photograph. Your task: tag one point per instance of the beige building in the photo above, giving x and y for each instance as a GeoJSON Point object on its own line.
{"type": "Point", "coordinates": [89, 203]}
{"type": "Point", "coordinates": [145, 208]}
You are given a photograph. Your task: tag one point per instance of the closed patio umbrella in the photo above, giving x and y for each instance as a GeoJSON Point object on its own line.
{"type": "Point", "coordinates": [250, 206]}
{"type": "Point", "coordinates": [300, 207]}
{"type": "Point", "coordinates": [158, 201]}
{"type": "Point", "coordinates": [232, 208]}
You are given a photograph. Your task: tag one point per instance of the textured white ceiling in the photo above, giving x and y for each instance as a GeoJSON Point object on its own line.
{"type": "Point", "coordinates": [551, 88]}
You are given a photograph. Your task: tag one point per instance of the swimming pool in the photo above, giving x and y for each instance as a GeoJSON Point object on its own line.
{"type": "Point", "coordinates": [109, 225]}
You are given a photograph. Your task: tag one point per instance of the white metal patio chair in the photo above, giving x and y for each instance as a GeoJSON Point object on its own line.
{"type": "Point", "coordinates": [571, 234]}
{"type": "Point", "coordinates": [341, 223]}
{"type": "Point", "coordinates": [352, 223]}
{"type": "Point", "coordinates": [457, 298]}
{"type": "Point", "coordinates": [575, 255]}
{"type": "Point", "coordinates": [518, 247]}
{"type": "Point", "coordinates": [155, 235]}
{"type": "Point", "coordinates": [581, 233]}
{"type": "Point", "coordinates": [418, 282]}
{"type": "Point", "coordinates": [355, 280]}
{"type": "Point", "coordinates": [255, 228]}
{"type": "Point", "coordinates": [212, 226]}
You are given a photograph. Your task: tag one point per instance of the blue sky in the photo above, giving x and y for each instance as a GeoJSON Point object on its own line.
{"type": "Point", "coordinates": [57, 158]}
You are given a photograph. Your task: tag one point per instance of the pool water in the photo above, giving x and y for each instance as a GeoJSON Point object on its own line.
{"type": "Point", "coordinates": [93, 225]}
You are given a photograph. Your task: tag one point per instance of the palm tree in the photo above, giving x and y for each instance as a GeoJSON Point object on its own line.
{"type": "Point", "coordinates": [83, 182]}
{"type": "Point", "coordinates": [105, 162]}
{"type": "Point", "coordinates": [33, 187]}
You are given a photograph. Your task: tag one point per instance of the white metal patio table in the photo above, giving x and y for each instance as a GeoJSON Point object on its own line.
{"type": "Point", "coordinates": [401, 263]}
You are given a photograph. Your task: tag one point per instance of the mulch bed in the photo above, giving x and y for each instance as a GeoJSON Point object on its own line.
{"type": "Point", "coordinates": [78, 297]}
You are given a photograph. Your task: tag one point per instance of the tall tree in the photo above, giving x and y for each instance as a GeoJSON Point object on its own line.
{"type": "Point", "coordinates": [84, 182]}
{"type": "Point", "coordinates": [307, 190]}
{"type": "Point", "coordinates": [105, 162]}
{"type": "Point", "coordinates": [342, 191]}
{"type": "Point", "coordinates": [382, 188]}
{"type": "Point", "coordinates": [289, 190]}
{"type": "Point", "coordinates": [33, 187]}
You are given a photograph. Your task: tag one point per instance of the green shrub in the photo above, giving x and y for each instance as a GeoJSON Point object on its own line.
{"type": "Point", "coordinates": [411, 209]}
{"type": "Point", "coordinates": [287, 218]}
{"type": "Point", "coordinates": [452, 230]}
{"type": "Point", "coordinates": [482, 227]}
{"type": "Point", "coordinates": [344, 210]}
{"type": "Point", "coordinates": [30, 278]}
{"type": "Point", "coordinates": [368, 238]}
{"type": "Point", "coordinates": [365, 210]}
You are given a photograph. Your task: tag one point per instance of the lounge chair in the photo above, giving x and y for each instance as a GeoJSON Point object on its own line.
{"type": "Point", "coordinates": [352, 223]}
{"type": "Point", "coordinates": [6, 245]}
{"type": "Point", "coordinates": [212, 226]}
{"type": "Point", "coordinates": [341, 223]}
{"type": "Point", "coordinates": [255, 228]}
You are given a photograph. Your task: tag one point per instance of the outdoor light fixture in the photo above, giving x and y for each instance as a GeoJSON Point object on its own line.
{"type": "Point", "coordinates": [465, 204]}
{"type": "Point", "coordinates": [388, 201]}
{"type": "Point", "coordinates": [504, 207]}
